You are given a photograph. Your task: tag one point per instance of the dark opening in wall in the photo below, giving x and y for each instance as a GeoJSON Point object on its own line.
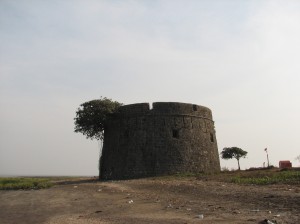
{"type": "Point", "coordinates": [212, 137]}
{"type": "Point", "coordinates": [194, 107]}
{"type": "Point", "coordinates": [126, 134]}
{"type": "Point", "coordinates": [175, 133]}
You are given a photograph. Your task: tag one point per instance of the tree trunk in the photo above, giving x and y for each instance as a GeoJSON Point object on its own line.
{"type": "Point", "coordinates": [100, 146]}
{"type": "Point", "coordinates": [239, 164]}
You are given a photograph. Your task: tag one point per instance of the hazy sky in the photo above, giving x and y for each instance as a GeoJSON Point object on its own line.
{"type": "Point", "coordinates": [239, 58]}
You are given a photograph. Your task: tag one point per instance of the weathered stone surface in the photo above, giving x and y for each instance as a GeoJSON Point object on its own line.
{"type": "Point", "coordinates": [170, 138]}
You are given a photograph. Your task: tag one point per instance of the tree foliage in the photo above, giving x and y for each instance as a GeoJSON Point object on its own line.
{"type": "Point", "coordinates": [91, 116]}
{"type": "Point", "coordinates": [233, 152]}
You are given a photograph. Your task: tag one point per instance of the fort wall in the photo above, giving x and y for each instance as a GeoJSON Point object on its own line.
{"type": "Point", "coordinates": [167, 139]}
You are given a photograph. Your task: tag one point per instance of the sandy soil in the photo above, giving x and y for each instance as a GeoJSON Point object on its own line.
{"type": "Point", "coordinates": [159, 200]}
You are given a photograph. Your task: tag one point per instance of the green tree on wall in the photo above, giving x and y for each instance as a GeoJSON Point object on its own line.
{"type": "Point", "coordinates": [233, 152]}
{"type": "Point", "coordinates": [91, 116]}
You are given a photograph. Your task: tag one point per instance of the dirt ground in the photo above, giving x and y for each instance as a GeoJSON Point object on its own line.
{"type": "Point", "coordinates": [159, 200]}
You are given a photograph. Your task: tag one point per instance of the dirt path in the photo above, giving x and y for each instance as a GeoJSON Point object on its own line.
{"type": "Point", "coordinates": [151, 201]}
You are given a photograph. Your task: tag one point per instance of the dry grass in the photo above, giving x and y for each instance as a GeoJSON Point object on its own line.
{"type": "Point", "coordinates": [24, 183]}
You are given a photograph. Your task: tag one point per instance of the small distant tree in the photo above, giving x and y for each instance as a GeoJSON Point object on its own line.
{"type": "Point", "coordinates": [91, 116]}
{"type": "Point", "coordinates": [233, 152]}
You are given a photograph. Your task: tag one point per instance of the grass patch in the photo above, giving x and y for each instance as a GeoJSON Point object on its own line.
{"type": "Point", "coordinates": [263, 178]}
{"type": "Point", "coordinates": [256, 176]}
{"type": "Point", "coordinates": [24, 183]}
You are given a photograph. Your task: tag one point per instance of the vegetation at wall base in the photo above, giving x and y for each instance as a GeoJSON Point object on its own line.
{"type": "Point", "coordinates": [24, 183]}
{"type": "Point", "coordinates": [259, 176]}
{"type": "Point", "coordinates": [183, 175]}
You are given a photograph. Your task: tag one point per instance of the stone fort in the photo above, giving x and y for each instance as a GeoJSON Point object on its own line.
{"type": "Point", "coordinates": [170, 138]}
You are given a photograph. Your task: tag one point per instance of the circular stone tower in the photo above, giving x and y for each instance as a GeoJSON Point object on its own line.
{"type": "Point", "coordinates": [167, 139]}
